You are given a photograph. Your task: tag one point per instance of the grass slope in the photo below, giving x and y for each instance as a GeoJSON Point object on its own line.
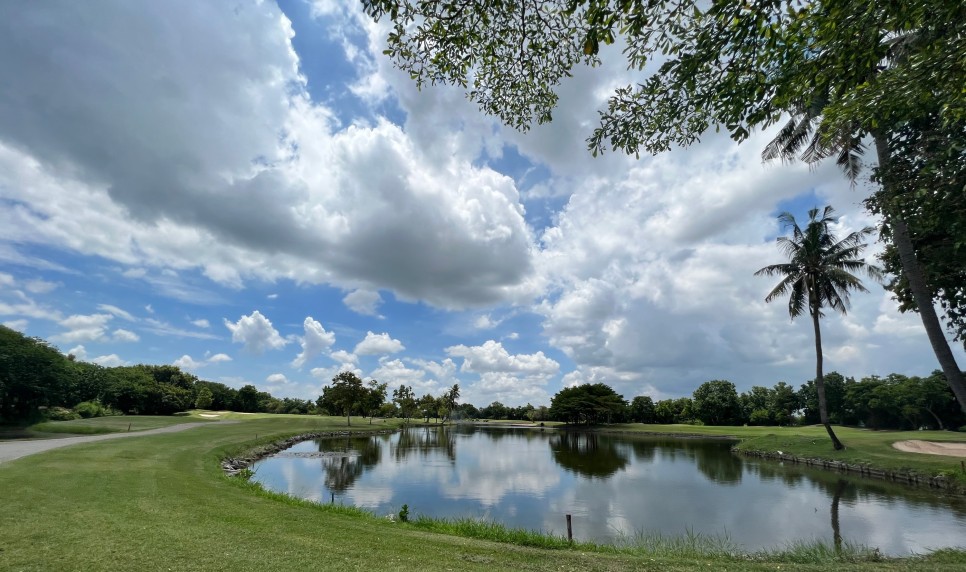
{"type": "Point", "coordinates": [160, 502]}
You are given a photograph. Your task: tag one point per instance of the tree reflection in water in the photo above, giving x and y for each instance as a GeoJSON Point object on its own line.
{"type": "Point", "coordinates": [425, 441]}
{"type": "Point", "coordinates": [587, 454]}
{"type": "Point", "coordinates": [354, 456]}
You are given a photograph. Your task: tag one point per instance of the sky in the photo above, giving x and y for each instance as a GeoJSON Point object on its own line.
{"type": "Point", "coordinates": [252, 192]}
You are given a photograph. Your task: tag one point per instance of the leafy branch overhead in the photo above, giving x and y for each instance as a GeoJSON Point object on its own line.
{"type": "Point", "coordinates": [723, 64]}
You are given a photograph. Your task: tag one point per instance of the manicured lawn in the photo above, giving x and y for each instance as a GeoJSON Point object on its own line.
{"type": "Point", "coordinates": [160, 502]}
{"type": "Point", "coordinates": [114, 424]}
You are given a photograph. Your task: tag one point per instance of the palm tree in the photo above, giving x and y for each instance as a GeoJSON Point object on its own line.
{"type": "Point", "coordinates": [819, 274]}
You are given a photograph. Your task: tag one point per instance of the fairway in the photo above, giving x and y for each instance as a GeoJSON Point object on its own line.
{"type": "Point", "coordinates": [159, 502]}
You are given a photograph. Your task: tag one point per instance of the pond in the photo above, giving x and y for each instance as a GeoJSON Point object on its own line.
{"type": "Point", "coordinates": [615, 486]}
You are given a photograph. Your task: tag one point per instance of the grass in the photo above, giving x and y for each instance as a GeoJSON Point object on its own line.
{"type": "Point", "coordinates": [158, 502]}
{"type": "Point", "coordinates": [113, 424]}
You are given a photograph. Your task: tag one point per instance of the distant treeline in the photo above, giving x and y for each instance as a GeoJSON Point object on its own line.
{"type": "Point", "coordinates": [36, 379]}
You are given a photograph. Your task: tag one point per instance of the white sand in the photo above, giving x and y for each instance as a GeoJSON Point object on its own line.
{"type": "Point", "coordinates": [932, 448]}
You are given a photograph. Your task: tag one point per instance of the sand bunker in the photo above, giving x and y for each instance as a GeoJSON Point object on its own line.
{"type": "Point", "coordinates": [209, 415]}
{"type": "Point", "coordinates": [932, 448]}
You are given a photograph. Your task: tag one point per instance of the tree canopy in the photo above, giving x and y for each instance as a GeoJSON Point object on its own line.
{"type": "Point", "coordinates": [588, 403]}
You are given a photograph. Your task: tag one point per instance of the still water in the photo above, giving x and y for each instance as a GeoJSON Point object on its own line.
{"type": "Point", "coordinates": [614, 486]}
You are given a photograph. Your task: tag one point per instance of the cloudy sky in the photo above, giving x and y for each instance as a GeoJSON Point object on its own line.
{"type": "Point", "coordinates": [250, 191]}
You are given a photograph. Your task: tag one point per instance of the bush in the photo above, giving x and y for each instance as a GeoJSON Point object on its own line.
{"type": "Point", "coordinates": [59, 414]}
{"type": "Point", "coordinates": [963, 429]}
{"type": "Point", "coordinates": [88, 409]}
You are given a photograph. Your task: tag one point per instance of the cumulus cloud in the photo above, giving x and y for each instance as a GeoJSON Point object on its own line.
{"type": "Point", "coordinates": [378, 344]}
{"type": "Point", "coordinates": [255, 331]}
{"type": "Point", "coordinates": [277, 379]}
{"type": "Point", "coordinates": [189, 363]}
{"type": "Point", "coordinates": [315, 341]}
{"type": "Point", "coordinates": [493, 357]}
{"type": "Point", "coordinates": [202, 323]}
{"type": "Point", "coordinates": [79, 352]}
{"type": "Point", "coordinates": [83, 328]}
{"type": "Point", "coordinates": [272, 184]}
{"type": "Point", "coordinates": [344, 356]}
{"type": "Point", "coordinates": [112, 360]}
{"type": "Point", "coordinates": [365, 302]}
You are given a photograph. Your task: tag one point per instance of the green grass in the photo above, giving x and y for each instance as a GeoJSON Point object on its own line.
{"type": "Point", "coordinates": [113, 424]}
{"type": "Point", "coordinates": [159, 502]}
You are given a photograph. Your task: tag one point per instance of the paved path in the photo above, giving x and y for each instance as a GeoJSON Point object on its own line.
{"type": "Point", "coordinates": [10, 450]}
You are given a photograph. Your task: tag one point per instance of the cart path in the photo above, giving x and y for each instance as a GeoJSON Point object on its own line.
{"type": "Point", "coordinates": [10, 450]}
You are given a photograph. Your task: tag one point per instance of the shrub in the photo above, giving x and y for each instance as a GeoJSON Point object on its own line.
{"type": "Point", "coordinates": [88, 409]}
{"type": "Point", "coordinates": [60, 414]}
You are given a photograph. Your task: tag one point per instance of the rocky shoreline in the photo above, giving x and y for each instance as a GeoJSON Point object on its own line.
{"type": "Point", "coordinates": [232, 466]}
{"type": "Point", "coordinates": [904, 477]}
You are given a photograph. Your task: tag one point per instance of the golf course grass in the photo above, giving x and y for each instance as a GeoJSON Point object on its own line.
{"type": "Point", "coordinates": [161, 502]}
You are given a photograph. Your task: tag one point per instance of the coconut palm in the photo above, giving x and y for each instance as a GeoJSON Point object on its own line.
{"type": "Point", "coordinates": [819, 274]}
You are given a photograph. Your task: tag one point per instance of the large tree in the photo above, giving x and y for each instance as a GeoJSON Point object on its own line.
{"type": "Point", "coordinates": [847, 69]}
{"type": "Point", "coordinates": [345, 395]}
{"type": "Point", "coordinates": [819, 274]}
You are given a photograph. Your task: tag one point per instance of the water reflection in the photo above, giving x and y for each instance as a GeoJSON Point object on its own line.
{"type": "Point", "coordinates": [587, 454]}
{"type": "Point", "coordinates": [353, 457]}
{"type": "Point", "coordinates": [614, 486]}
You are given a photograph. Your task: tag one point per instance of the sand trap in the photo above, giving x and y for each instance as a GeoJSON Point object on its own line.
{"type": "Point", "coordinates": [209, 415]}
{"type": "Point", "coordinates": [932, 448]}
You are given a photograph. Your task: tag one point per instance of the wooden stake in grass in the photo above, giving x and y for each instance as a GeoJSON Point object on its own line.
{"type": "Point", "coordinates": [128, 427]}
{"type": "Point", "coordinates": [570, 529]}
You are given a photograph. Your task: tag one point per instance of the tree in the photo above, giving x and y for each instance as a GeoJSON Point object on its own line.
{"type": "Point", "coordinates": [450, 399]}
{"type": "Point", "coordinates": [406, 400]}
{"type": "Point", "coordinates": [204, 398]}
{"type": "Point", "coordinates": [587, 403]}
{"type": "Point", "coordinates": [642, 409]}
{"type": "Point", "coordinates": [346, 394]}
{"type": "Point", "coordinates": [841, 68]}
{"type": "Point", "coordinates": [716, 403]}
{"type": "Point", "coordinates": [373, 397]}
{"type": "Point", "coordinates": [819, 275]}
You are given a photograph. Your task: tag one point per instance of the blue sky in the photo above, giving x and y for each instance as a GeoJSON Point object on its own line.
{"type": "Point", "coordinates": [252, 192]}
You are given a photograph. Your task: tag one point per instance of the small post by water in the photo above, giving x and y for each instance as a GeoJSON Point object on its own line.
{"type": "Point", "coordinates": [570, 529]}
{"type": "Point", "coordinates": [332, 498]}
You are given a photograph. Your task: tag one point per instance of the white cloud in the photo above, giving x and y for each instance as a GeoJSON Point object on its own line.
{"type": "Point", "coordinates": [277, 379]}
{"type": "Point", "coordinates": [163, 328]}
{"type": "Point", "coordinates": [112, 360]}
{"type": "Point", "coordinates": [202, 323]}
{"type": "Point", "coordinates": [19, 325]}
{"type": "Point", "coordinates": [115, 311]}
{"type": "Point", "coordinates": [315, 341]}
{"type": "Point", "coordinates": [83, 328]}
{"type": "Point", "coordinates": [365, 302]}
{"type": "Point", "coordinates": [344, 356]}
{"type": "Point", "coordinates": [219, 358]}
{"type": "Point", "coordinates": [493, 357]}
{"type": "Point", "coordinates": [122, 335]}
{"type": "Point", "coordinates": [485, 322]}
{"type": "Point", "coordinates": [255, 331]}
{"type": "Point", "coordinates": [6, 279]}
{"type": "Point", "coordinates": [378, 344]}
{"type": "Point", "coordinates": [78, 352]}
{"type": "Point", "coordinates": [39, 286]}
{"type": "Point", "coordinates": [272, 184]}
{"type": "Point", "coordinates": [188, 363]}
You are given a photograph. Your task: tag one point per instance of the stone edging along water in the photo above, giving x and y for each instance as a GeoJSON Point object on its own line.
{"type": "Point", "coordinates": [235, 465]}
{"type": "Point", "coordinates": [904, 477]}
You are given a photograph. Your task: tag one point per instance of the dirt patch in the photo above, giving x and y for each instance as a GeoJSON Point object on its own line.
{"type": "Point", "coordinates": [932, 447]}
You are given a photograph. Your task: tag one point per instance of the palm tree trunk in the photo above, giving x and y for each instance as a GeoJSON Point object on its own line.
{"type": "Point", "coordinates": [917, 282]}
{"type": "Point", "coordinates": [819, 379]}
